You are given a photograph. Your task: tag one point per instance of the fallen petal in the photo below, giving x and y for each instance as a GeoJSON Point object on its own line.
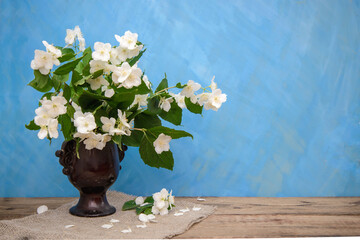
{"type": "Point", "coordinates": [178, 214]}
{"type": "Point", "coordinates": [141, 226]}
{"type": "Point", "coordinates": [69, 226]}
{"type": "Point", "coordinates": [107, 226]}
{"type": "Point", "coordinates": [42, 209]}
{"type": "Point", "coordinates": [185, 210]}
{"type": "Point", "coordinates": [114, 221]}
{"type": "Point", "coordinates": [126, 230]}
{"type": "Point", "coordinates": [143, 218]}
{"type": "Point", "coordinates": [200, 199]}
{"type": "Point", "coordinates": [196, 208]}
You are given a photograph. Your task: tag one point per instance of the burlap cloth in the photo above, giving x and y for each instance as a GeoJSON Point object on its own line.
{"type": "Point", "coordinates": [51, 224]}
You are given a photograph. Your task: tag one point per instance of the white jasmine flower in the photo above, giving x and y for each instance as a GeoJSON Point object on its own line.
{"type": "Point", "coordinates": [109, 92]}
{"type": "Point", "coordinates": [108, 123]}
{"type": "Point", "coordinates": [42, 117]}
{"type": "Point", "coordinates": [55, 52]}
{"type": "Point", "coordinates": [97, 141]}
{"type": "Point", "coordinates": [203, 98]}
{"type": "Point", "coordinates": [42, 209]}
{"type": "Point", "coordinates": [114, 56]}
{"type": "Point", "coordinates": [69, 226]}
{"type": "Point", "coordinates": [146, 81]}
{"type": "Point", "coordinates": [190, 88]}
{"type": "Point", "coordinates": [120, 74]}
{"type": "Point", "coordinates": [114, 220]}
{"type": "Point", "coordinates": [184, 210]}
{"type": "Point", "coordinates": [165, 103]}
{"type": "Point", "coordinates": [194, 99]}
{"type": "Point", "coordinates": [102, 51]}
{"type": "Point", "coordinates": [123, 127]}
{"type": "Point", "coordinates": [134, 52]}
{"type": "Point", "coordinates": [134, 79]}
{"type": "Point", "coordinates": [84, 123]}
{"type": "Point", "coordinates": [141, 100]}
{"type": "Point", "coordinates": [56, 106]}
{"type": "Point", "coordinates": [52, 128]}
{"type": "Point", "coordinates": [128, 40]}
{"type": "Point", "coordinates": [161, 202]}
{"type": "Point", "coordinates": [123, 53]}
{"type": "Point", "coordinates": [176, 214]}
{"type": "Point", "coordinates": [180, 100]}
{"type": "Point", "coordinates": [215, 100]}
{"type": "Point", "coordinates": [139, 200]}
{"type": "Point", "coordinates": [161, 144]}
{"type": "Point", "coordinates": [97, 82]}
{"type": "Point", "coordinates": [81, 43]}
{"type": "Point", "coordinates": [213, 85]}
{"type": "Point", "coordinates": [128, 230]}
{"type": "Point", "coordinates": [43, 61]}
{"type": "Point", "coordinates": [196, 208]}
{"type": "Point", "coordinates": [107, 226]}
{"type": "Point", "coordinates": [96, 65]}
{"type": "Point", "coordinates": [70, 36]}
{"type": "Point", "coordinates": [171, 199]}
{"type": "Point", "coordinates": [76, 107]}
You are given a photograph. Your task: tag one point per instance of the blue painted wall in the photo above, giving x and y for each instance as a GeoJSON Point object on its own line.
{"type": "Point", "coordinates": [290, 68]}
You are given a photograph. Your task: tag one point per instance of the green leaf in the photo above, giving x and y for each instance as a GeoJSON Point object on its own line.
{"type": "Point", "coordinates": [133, 60]}
{"type": "Point", "coordinates": [129, 205]}
{"type": "Point", "coordinates": [151, 158]}
{"type": "Point", "coordinates": [66, 57]}
{"type": "Point", "coordinates": [58, 80]}
{"type": "Point", "coordinates": [134, 139]}
{"type": "Point", "coordinates": [98, 114]}
{"type": "Point", "coordinates": [86, 70]}
{"type": "Point", "coordinates": [148, 211]}
{"type": "Point", "coordinates": [153, 105]}
{"type": "Point", "coordinates": [174, 115]}
{"type": "Point", "coordinates": [87, 55]}
{"type": "Point", "coordinates": [90, 101]}
{"type": "Point", "coordinates": [97, 73]}
{"type": "Point", "coordinates": [142, 209]}
{"type": "Point", "coordinates": [145, 120]}
{"type": "Point", "coordinates": [41, 82]}
{"type": "Point", "coordinates": [67, 126]}
{"type": "Point", "coordinates": [70, 111]}
{"type": "Point", "coordinates": [117, 139]}
{"type": "Point", "coordinates": [174, 134]}
{"type": "Point", "coordinates": [77, 78]}
{"type": "Point", "coordinates": [162, 85]}
{"type": "Point", "coordinates": [194, 108]}
{"type": "Point", "coordinates": [67, 67]}
{"type": "Point", "coordinates": [149, 200]}
{"type": "Point", "coordinates": [32, 126]}
{"type": "Point", "coordinates": [79, 67]}
{"type": "Point", "coordinates": [179, 85]}
{"type": "Point", "coordinates": [65, 51]}
{"type": "Point", "coordinates": [67, 92]}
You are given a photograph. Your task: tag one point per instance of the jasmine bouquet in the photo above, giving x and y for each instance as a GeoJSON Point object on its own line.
{"type": "Point", "coordinates": [100, 95]}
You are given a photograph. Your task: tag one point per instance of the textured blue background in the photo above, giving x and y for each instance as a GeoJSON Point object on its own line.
{"type": "Point", "coordinates": [290, 70]}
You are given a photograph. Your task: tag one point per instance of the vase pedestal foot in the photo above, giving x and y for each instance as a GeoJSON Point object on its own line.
{"type": "Point", "coordinates": [92, 205]}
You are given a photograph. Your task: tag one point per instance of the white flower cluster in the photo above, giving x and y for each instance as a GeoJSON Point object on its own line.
{"type": "Point", "coordinates": [210, 100]}
{"type": "Point", "coordinates": [47, 114]}
{"type": "Point", "coordinates": [85, 125]}
{"type": "Point", "coordinates": [163, 201]}
{"type": "Point", "coordinates": [44, 61]}
{"type": "Point", "coordinates": [113, 60]}
{"type": "Point", "coordinates": [72, 34]}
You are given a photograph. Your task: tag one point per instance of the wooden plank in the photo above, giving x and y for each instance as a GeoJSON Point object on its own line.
{"type": "Point", "coordinates": [238, 217]}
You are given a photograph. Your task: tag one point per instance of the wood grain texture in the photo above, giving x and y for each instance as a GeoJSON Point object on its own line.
{"type": "Point", "coordinates": [238, 217]}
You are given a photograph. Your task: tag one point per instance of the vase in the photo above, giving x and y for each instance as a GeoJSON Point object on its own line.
{"type": "Point", "coordinates": [92, 174]}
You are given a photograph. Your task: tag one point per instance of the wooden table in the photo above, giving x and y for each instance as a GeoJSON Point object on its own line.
{"type": "Point", "coordinates": [239, 217]}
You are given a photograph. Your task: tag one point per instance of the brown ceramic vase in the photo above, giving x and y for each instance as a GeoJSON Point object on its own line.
{"type": "Point", "coordinates": [92, 174]}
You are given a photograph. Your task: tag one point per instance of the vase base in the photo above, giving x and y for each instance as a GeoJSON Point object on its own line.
{"type": "Point", "coordinates": [92, 212]}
